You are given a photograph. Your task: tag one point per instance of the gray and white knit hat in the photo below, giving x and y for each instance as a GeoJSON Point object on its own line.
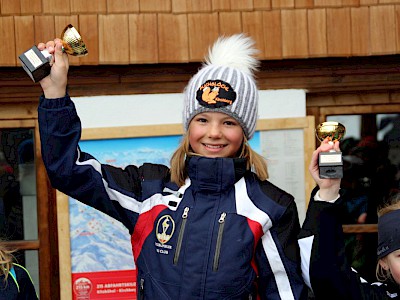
{"type": "Point", "coordinates": [225, 83]}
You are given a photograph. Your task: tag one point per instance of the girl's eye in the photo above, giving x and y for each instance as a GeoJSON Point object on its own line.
{"type": "Point", "coordinates": [202, 120]}
{"type": "Point", "coordinates": [230, 123]}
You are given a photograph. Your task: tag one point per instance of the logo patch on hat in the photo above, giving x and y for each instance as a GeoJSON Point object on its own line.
{"type": "Point", "coordinates": [215, 93]}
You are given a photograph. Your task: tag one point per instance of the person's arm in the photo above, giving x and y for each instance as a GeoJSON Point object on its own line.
{"type": "Point", "coordinates": [324, 264]}
{"type": "Point", "coordinates": [70, 170]}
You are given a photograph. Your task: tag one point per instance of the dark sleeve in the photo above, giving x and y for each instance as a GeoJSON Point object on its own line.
{"type": "Point", "coordinates": [26, 288]}
{"type": "Point", "coordinates": [324, 262]}
{"type": "Point", "coordinates": [80, 175]}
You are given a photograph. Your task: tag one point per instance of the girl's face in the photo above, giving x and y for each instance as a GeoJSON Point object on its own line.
{"type": "Point", "coordinates": [215, 134]}
{"type": "Point", "coordinates": [392, 262]}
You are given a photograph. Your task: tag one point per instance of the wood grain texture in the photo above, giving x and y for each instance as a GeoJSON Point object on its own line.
{"type": "Point", "coordinates": [202, 32]}
{"type": "Point", "coordinates": [10, 7]}
{"type": "Point", "coordinates": [294, 33]}
{"type": "Point", "coordinates": [122, 6]}
{"type": "Point", "coordinates": [251, 21]}
{"type": "Point", "coordinates": [382, 25]}
{"type": "Point", "coordinates": [147, 6]}
{"type": "Point", "coordinates": [173, 41]}
{"type": "Point", "coordinates": [56, 7]}
{"type": "Point", "coordinates": [338, 31]}
{"type": "Point", "coordinates": [113, 39]}
{"type": "Point", "coordinates": [191, 6]}
{"type": "Point", "coordinates": [31, 6]}
{"type": "Point", "coordinates": [276, 4]}
{"type": "Point", "coordinates": [88, 6]}
{"type": "Point", "coordinates": [229, 23]}
{"type": "Point", "coordinates": [24, 33]}
{"type": "Point", "coordinates": [89, 30]}
{"type": "Point", "coordinates": [272, 34]}
{"type": "Point", "coordinates": [360, 35]}
{"type": "Point", "coordinates": [44, 29]}
{"type": "Point", "coordinates": [7, 49]}
{"type": "Point", "coordinates": [262, 4]}
{"type": "Point", "coordinates": [143, 42]}
{"type": "Point", "coordinates": [317, 39]}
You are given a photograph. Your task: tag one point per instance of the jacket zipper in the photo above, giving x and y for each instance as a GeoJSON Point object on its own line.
{"type": "Point", "coordinates": [180, 236]}
{"type": "Point", "coordinates": [221, 222]}
{"type": "Point", "coordinates": [141, 288]}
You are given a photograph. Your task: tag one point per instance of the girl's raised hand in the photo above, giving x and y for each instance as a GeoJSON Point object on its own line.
{"type": "Point", "coordinates": [55, 84]}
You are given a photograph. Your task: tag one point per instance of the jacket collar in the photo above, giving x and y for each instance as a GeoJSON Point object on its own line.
{"type": "Point", "coordinates": [214, 174]}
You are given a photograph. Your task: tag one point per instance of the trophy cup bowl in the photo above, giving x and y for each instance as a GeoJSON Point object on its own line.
{"type": "Point", "coordinates": [330, 163]}
{"type": "Point", "coordinates": [36, 63]}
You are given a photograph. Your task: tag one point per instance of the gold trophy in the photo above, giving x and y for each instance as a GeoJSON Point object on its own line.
{"type": "Point", "coordinates": [37, 63]}
{"type": "Point", "coordinates": [330, 163]}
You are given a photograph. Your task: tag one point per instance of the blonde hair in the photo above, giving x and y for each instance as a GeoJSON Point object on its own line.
{"type": "Point", "coordinates": [255, 161]}
{"type": "Point", "coordinates": [6, 261]}
{"type": "Point", "coordinates": [391, 204]}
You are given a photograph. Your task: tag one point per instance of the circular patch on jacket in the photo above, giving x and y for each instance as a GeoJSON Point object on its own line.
{"type": "Point", "coordinates": [215, 93]}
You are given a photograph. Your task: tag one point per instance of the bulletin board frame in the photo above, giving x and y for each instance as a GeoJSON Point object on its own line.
{"type": "Point", "coordinates": [306, 124]}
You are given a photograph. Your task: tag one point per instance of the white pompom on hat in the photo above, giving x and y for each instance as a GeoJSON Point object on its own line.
{"type": "Point", "coordinates": [225, 83]}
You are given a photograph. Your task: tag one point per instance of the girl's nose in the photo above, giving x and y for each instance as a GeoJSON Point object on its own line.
{"type": "Point", "coordinates": [214, 131]}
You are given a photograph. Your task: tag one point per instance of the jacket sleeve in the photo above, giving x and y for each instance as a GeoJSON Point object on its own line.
{"type": "Point", "coordinates": [324, 264]}
{"type": "Point", "coordinates": [78, 174]}
{"type": "Point", "coordinates": [280, 274]}
{"type": "Point", "coordinates": [26, 288]}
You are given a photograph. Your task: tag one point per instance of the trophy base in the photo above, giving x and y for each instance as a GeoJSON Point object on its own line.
{"type": "Point", "coordinates": [330, 165]}
{"type": "Point", "coordinates": [35, 63]}
{"type": "Point", "coordinates": [330, 172]}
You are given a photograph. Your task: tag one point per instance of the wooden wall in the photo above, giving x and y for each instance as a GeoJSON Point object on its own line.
{"type": "Point", "coordinates": [173, 31]}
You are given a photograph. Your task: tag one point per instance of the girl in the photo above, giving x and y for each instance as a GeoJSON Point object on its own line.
{"type": "Point", "coordinates": [208, 227]}
{"type": "Point", "coordinates": [325, 268]}
{"type": "Point", "coordinates": [15, 281]}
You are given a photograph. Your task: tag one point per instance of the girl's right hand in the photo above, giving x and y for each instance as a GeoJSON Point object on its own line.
{"type": "Point", "coordinates": [55, 84]}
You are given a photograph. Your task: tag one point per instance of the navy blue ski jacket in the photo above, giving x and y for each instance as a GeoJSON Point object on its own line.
{"type": "Point", "coordinates": [222, 235]}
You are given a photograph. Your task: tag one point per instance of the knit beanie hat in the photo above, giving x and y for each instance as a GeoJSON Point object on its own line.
{"type": "Point", "coordinates": [225, 83]}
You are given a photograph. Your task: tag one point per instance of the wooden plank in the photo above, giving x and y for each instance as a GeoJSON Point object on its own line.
{"type": "Point", "coordinates": [89, 31]}
{"type": "Point", "coordinates": [173, 44]}
{"type": "Point", "coordinates": [360, 43]}
{"type": "Point", "coordinates": [338, 31]}
{"type": "Point", "coordinates": [18, 123]}
{"type": "Point", "coordinates": [10, 111]}
{"type": "Point", "coordinates": [64, 246]}
{"type": "Point", "coordinates": [317, 39]}
{"type": "Point", "coordinates": [155, 6]}
{"type": "Point", "coordinates": [272, 29]}
{"type": "Point", "coordinates": [304, 3]}
{"type": "Point", "coordinates": [243, 5]}
{"type": "Point", "coordinates": [294, 33]}
{"type": "Point", "coordinates": [221, 5]}
{"type": "Point", "coordinates": [250, 23]}
{"type": "Point", "coordinates": [22, 245]}
{"type": "Point", "coordinates": [368, 2]}
{"type": "Point", "coordinates": [113, 30]}
{"type": "Point", "coordinates": [56, 7]}
{"type": "Point", "coordinates": [327, 3]}
{"type": "Point", "coordinates": [122, 6]}
{"type": "Point", "coordinates": [188, 6]}
{"type": "Point", "coordinates": [203, 31]}
{"type": "Point", "coordinates": [262, 4]}
{"type": "Point", "coordinates": [143, 42]}
{"type": "Point", "coordinates": [31, 6]}
{"type": "Point", "coordinates": [358, 109]}
{"type": "Point", "coordinates": [24, 35]}
{"type": "Point", "coordinates": [44, 29]}
{"type": "Point", "coordinates": [91, 7]}
{"type": "Point", "coordinates": [382, 24]}
{"type": "Point", "coordinates": [360, 228]}
{"type": "Point", "coordinates": [279, 4]}
{"type": "Point", "coordinates": [10, 7]}
{"type": "Point", "coordinates": [355, 3]}
{"type": "Point", "coordinates": [229, 23]}
{"type": "Point", "coordinates": [7, 48]}
{"type": "Point", "coordinates": [60, 22]}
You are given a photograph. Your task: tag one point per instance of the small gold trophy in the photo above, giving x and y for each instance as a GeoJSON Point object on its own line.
{"type": "Point", "coordinates": [37, 63]}
{"type": "Point", "coordinates": [330, 163]}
